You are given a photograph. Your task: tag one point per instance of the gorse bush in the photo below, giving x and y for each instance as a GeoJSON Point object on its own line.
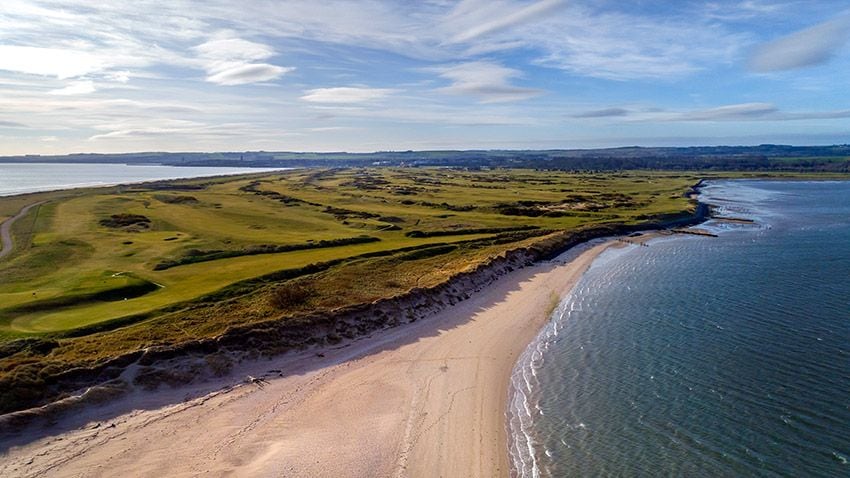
{"type": "Point", "coordinates": [125, 220]}
{"type": "Point", "coordinates": [290, 295]}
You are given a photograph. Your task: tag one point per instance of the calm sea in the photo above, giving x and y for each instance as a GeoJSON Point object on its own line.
{"type": "Point", "coordinates": [696, 356]}
{"type": "Point", "coordinates": [19, 178]}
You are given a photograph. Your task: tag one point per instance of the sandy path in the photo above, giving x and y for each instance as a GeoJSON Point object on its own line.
{"type": "Point", "coordinates": [6, 243]}
{"type": "Point", "coordinates": [425, 399]}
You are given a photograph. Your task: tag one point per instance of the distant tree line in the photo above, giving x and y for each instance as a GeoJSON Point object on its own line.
{"type": "Point", "coordinates": [767, 157]}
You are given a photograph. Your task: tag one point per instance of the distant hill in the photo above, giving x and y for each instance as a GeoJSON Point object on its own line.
{"type": "Point", "coordinates": [766, 157]}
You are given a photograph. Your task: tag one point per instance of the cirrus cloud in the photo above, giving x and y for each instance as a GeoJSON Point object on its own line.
{"type": "Point", "coordinates": [809, 47]}
{"type": "Point", "coordinates": [346, 94]}
{"type": "Point", "coordinates": [491, 17]}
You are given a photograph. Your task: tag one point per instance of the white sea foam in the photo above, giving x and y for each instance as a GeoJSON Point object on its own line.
{"type": "Point", "coordinates": [523, 402]}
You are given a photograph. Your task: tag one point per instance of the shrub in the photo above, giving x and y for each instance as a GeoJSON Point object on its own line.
{"type": "Point", "coordinates": [458, 232]}
{"type": "Point", "coordinates": [193, 256]}
{"type": "Point", "coordinates": [125, 220]}
{"type": "Point", "coordinates": [290, 295]}
{"type": "Point", "coordinates": [176, 199]}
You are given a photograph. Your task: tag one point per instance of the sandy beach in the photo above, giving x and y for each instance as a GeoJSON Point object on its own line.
{"type": "Point", "coordinates": [425, 399]}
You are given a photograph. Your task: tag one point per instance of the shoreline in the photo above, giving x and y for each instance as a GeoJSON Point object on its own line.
{"type": "Point", "coordinates": [517, 410]}
{"type": "Point", "coordinates": [401, 355]}
{"type": "Point", "coordinates": [440, 383]}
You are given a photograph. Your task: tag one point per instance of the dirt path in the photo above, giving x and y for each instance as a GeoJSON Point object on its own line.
{"type": "Point", "coordinates": [6, 243]}
{"type": "Point", "coordinates": [425, 399]}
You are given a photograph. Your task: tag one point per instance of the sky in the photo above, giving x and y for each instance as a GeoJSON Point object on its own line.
{"type": "Point", "coordinates": [374, 75]}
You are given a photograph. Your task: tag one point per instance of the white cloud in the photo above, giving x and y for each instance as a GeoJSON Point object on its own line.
{"type": "Point", "coordinates": [346, 94]}
{"type": "Point", "coordinates": [813, 46]}
{"type": "Point", "coordinates": [329, 129]}
{"type": "Point", "coordinates": [619, 46]}
{"type": "Point", "coordinates": [603, 113]}
{"type": "Point", "coordinates": [490, 17]}
{"type": "Point", "coordinates": [445, 55]}
{"type": "Point", "coordinates": [241, 74]}
{"type": "Point", "coordinates": [436, 114]}
{"type": "Point", "coordinates": [734, 112]}
{"type": "Point", "coordinates": [739, 11]}
{"type": "Point", "coordinates": [487, 81]}
{"type": "Point", "coordinates": [589, 41]}
{"type": "Point", "coordinates": [743, 111]}
{"type": "Point", "coordinates": [234, 49]}
{"type": "Point", "coordinates": [234, 61]}
{"type": "Point", "coordinates": [61, 63]}
{"type": "Point", "coordinates": [119, 76]}
{"type": "Point", "coordinates": [585, 41]}
{"type": "Point", "coordinates": [75, 88]}
{"type": "Point", "coordinates": [810, 115]}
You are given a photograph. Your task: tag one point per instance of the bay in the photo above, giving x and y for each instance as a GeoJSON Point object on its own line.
{"type": "Point", "coordinates": [20, 178]}
{"type": "Point", "coordinates": [698, 356]}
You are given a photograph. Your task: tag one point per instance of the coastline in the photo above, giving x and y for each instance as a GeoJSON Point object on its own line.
{"type": "Point", "coordinates": [523, 380]}
{"type": "Point", "coordinates": [440, 384]}
{"type": "Point", "coordinates": [618, 431]}
{"type": "Point", "coordinates": [406, 374]}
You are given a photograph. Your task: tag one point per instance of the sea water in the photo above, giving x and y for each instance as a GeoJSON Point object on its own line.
{"type": "Point", "coordinates": [701, 356]}
{"type": "Point", "coordinates": [19, 178]}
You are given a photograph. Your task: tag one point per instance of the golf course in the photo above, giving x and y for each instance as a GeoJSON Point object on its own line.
{"type": "Point", "coordinates": [96, 273]}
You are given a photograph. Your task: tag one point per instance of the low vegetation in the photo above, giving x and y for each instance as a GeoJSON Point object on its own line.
{"type": "Point", "coordinates": [124, 220]}
{"type": "Point", "coordinates": [193, 256]}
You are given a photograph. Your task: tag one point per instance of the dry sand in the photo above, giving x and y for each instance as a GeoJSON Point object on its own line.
{"type": "Point", "coordinates": [425, 399]}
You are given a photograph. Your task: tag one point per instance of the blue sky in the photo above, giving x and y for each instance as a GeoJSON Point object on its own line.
{"type": "Point", "coordinates": [433, 74]}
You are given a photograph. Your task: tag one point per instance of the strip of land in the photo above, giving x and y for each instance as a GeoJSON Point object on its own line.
{"type": "Point", "coordinates": [426, 399]}
{"type": "Point", "coordinates": [6, 243]}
